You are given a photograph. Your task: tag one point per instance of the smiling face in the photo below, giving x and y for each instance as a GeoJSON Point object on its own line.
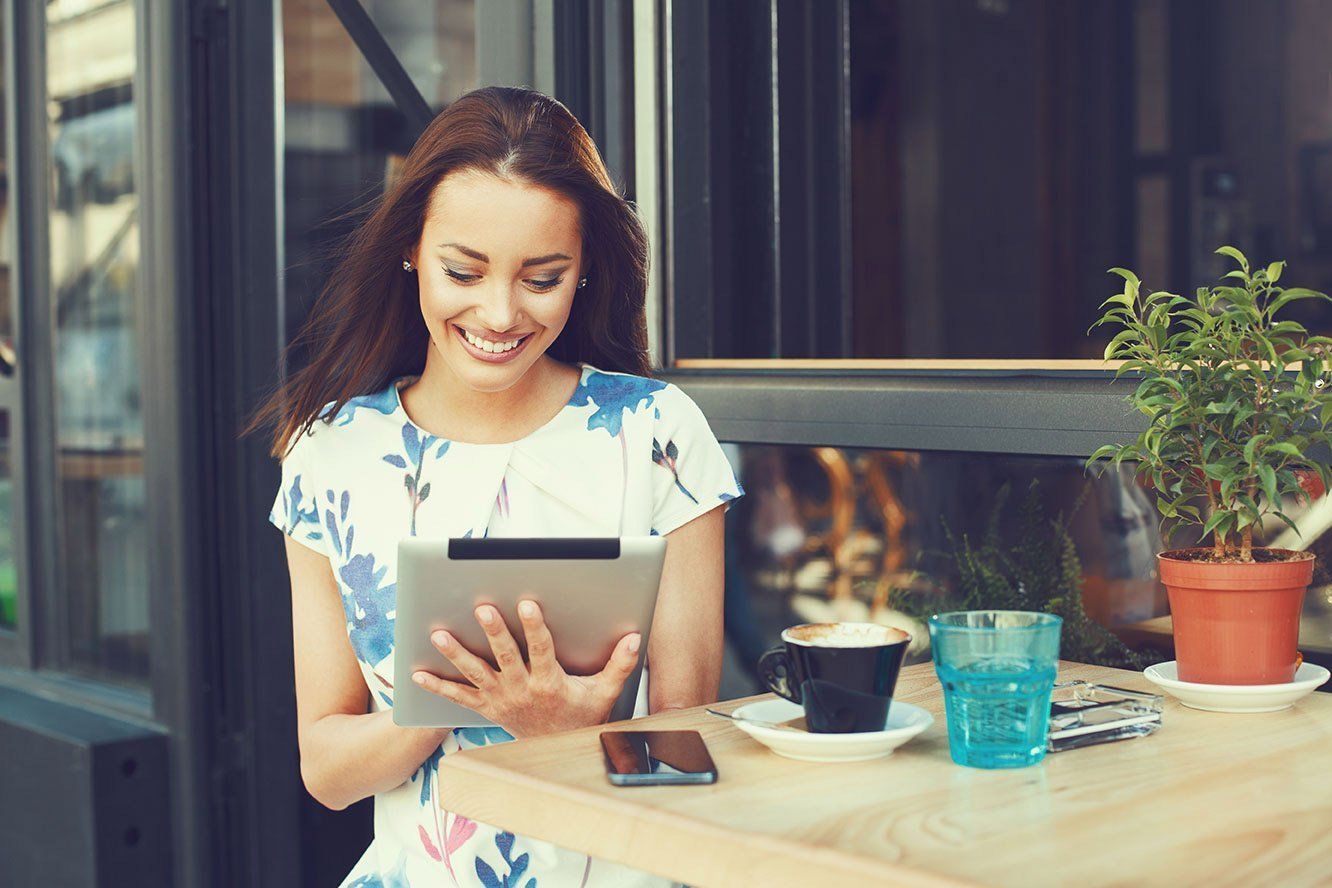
{"type": "Point", "coordinates": [498, 266]}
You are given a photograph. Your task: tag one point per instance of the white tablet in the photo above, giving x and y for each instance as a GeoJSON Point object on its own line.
{"type": "Point", "coordinates": [593, 591]}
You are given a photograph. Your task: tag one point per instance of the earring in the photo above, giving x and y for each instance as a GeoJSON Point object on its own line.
{"type": "Point", "coordinates": [582, 283]}
{"type": "Point", "coordinates": [407, 266]}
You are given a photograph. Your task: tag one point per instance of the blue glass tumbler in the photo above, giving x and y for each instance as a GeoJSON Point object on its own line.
{"type": "Point", "coordinates": [997, 669]}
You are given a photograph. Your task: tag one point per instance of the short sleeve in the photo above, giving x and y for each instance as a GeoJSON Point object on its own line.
{"type": "Point", "coordinates": [692, 474]}
{"type": "Point", "coordinates": [295, 508]}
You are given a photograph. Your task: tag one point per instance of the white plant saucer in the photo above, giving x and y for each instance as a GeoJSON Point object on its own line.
{"type": "Point", "coordinates": [904, 722]}
{"type": "Point", "coordinates": [1237, 698]}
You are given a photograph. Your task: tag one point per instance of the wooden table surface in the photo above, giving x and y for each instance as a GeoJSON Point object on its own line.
{"type": "Point", "coordinates": [1211, 798]}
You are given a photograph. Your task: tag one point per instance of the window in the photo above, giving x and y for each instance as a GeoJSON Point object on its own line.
{"type": "Point", "coordinates": [95, 297]}
{"type": "Point", "coordinates": [842, 534]}
{"type": "Point", "coordinates": [960, 193]}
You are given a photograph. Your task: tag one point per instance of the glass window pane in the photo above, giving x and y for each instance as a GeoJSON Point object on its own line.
{"type": "Point", "coordinates": [344, 135]}
{"type": "Point", "coordinates": [95, 289]}
{"type": "Point", "coordinates": [1004, 154]}
{"type": "Point", "coordinates": [841, 534]}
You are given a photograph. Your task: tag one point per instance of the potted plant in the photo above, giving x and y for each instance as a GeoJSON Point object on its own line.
{"type": "Point", "coordinates": [1236, 404]}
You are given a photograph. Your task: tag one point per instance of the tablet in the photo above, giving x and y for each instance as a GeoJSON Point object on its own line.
{"type": "Point", "coordinates": [593, 591]}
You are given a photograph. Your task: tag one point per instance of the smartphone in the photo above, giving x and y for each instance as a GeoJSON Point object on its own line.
{"type": "Point", "coordinates": [650, 758]}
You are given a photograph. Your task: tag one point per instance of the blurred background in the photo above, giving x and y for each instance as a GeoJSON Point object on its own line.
{"type": "Point", "coordinates": [879, 231]}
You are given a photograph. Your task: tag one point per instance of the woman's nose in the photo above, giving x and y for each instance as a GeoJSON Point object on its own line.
{"type": "Point", "coordinates": [499, 308]}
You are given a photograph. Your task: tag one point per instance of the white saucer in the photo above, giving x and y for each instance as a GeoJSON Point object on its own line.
{"type": "Point", "coordinates": [1237, 698]}
{"type": "Point", "coordinates": [904, 722]}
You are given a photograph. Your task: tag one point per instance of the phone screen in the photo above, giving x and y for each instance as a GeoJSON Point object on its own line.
{"type": "Point", "coordinates": [644, 758]}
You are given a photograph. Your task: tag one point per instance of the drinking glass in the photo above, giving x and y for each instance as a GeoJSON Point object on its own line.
{"type": "Point", "coordinates": [997, 669]}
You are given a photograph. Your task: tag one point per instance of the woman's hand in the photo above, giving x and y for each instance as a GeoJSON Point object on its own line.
{"type": "Point", "coordinates": [534, 698]}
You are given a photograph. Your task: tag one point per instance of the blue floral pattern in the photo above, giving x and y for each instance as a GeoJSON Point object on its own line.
{"type": "Point", "coordinates": [415, 445]}
{"type": "Point", "coordinates": [516, 866]}
{"type": "Point", "coordinates": [383, 402]}
{"type": "Point", "coordinates": [305, 520]}
{"type": "Point", "coordinates": [368, 602]}
{"type": "Point", "coordinates": [368, 476]}
{"type": "Point", "coordinates": [612, 394]}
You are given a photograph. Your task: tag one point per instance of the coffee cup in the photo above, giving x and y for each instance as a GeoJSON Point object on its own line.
{"type": "Point", "coordinates": [843, 674]}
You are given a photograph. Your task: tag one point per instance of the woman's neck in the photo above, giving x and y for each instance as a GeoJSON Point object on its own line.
{"type": "Point", "coordinates": [444, 405]}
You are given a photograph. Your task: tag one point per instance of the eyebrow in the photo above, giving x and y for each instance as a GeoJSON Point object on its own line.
{"type": "Point", "coordinates": [482, 257]}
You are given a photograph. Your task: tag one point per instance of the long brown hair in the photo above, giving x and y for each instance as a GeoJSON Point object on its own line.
{"type": "Point", "coordinates": [365, 329]}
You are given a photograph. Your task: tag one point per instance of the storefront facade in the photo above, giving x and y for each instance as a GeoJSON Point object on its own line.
{"type": "Point", "coordinates": [874, 265]}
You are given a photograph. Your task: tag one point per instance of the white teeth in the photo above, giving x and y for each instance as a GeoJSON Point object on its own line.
{"type": "Point", "coordinates": [492, 347]}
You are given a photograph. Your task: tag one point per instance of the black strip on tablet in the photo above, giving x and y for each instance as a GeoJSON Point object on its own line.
{"type": "Point", "coordinates": [544, 548]}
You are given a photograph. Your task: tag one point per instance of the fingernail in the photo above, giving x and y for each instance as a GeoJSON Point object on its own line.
{"type": "Point", "coordinates": [527, 608]}
{"type": "Point", "coordinates": [487, 614]}
{"type": "Point", "coordinates": [634, 642]}
{"type": "Point", "coordinates": [442, 639]}
{"type": "Point", "coordinates": [418, 678]}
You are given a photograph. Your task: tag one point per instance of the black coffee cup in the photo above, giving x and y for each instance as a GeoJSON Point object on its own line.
{"type": "Point", "coordinates": [843, 674]}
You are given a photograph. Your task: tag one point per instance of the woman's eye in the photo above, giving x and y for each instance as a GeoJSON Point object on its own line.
{"type": "Point", "coordinates": [548, 284]}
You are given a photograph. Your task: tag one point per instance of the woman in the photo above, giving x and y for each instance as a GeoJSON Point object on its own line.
{"type": "Point", "coordinates": [478, 367]}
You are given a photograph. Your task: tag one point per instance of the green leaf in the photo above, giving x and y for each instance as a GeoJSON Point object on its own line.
{"type": "Point", "coordinates": [1286, 521]}
{"type": "Point", "coordinates": [1120, 339]}
{"type": "Point", "coordinates": [1252, 446]}
{"type": "Point", "coordinates": [1286, 448]}
{"type": "Point", "coordinates": [1234, 254]}
{"type": "Point", "coordinates": [1274, 271]}
{"type": "Point", "coordinates": [1268, 478]}
{"type": "Point", "coordinates": [1291, 295]}
{"type": "Point", "coordinates": [1128, 276]}
{"type": "Point", "coordinates": [1216, 520]}
{"type": "Point", "coordinates": [1125, 299]}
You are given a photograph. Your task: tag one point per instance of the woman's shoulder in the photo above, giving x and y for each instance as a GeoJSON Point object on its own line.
{"type": "Point", "coordinates": [614, 395]}
{"type": "Point", "coordinates": [371, 413]}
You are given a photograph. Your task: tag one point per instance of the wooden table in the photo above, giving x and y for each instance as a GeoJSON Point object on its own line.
{"type": "Point", "coordinates": [1211, 798]}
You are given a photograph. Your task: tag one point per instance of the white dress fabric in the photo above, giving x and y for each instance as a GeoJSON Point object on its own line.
{"type": "Point", "coordinates": [626, 456]}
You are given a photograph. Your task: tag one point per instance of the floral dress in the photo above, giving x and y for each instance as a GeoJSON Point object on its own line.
{"type": "Point", "coordinates": [626, 456]}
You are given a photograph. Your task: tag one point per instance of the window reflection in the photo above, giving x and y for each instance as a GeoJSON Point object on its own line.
{"type": "Point", "coordinates": [344, 135]}
{"type": "Point", "coordinates": [1004, 154]}
{"type": "Point", "coordinates": [94, 245]}
{"type": "Point", "coordinates": [892, 536]}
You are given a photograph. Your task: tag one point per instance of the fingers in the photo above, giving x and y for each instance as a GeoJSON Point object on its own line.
{"type": "Point", "coordinates": [540, 646]}
{"type": "Point", "coordinates": [621, 664]}
{"type": "Point", "coordinates": [507, 655]}
{"type": "Point", "coordinates": [462, 694]}
{"type": "Point", "coordinates": [473, 668]}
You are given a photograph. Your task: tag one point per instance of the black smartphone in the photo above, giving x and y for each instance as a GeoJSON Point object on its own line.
{"type": "Point", "coordinates": [650, 758]}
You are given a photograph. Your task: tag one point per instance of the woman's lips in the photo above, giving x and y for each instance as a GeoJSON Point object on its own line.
{"type": "Point", "coordinates": [491, 357]}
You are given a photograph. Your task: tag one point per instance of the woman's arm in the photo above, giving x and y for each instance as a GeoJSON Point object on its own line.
{"type": "Point", "coordinates": [347, 754]}
{"type": "Point", "coordinates": [685, 650]}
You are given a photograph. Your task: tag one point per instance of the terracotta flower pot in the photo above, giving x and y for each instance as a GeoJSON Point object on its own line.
{"type": "Point", "coordinates": [1236, 624]}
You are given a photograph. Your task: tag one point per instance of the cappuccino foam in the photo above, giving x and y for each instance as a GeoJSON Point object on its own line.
{"type": "Point", "coordinates": [844, 635]}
